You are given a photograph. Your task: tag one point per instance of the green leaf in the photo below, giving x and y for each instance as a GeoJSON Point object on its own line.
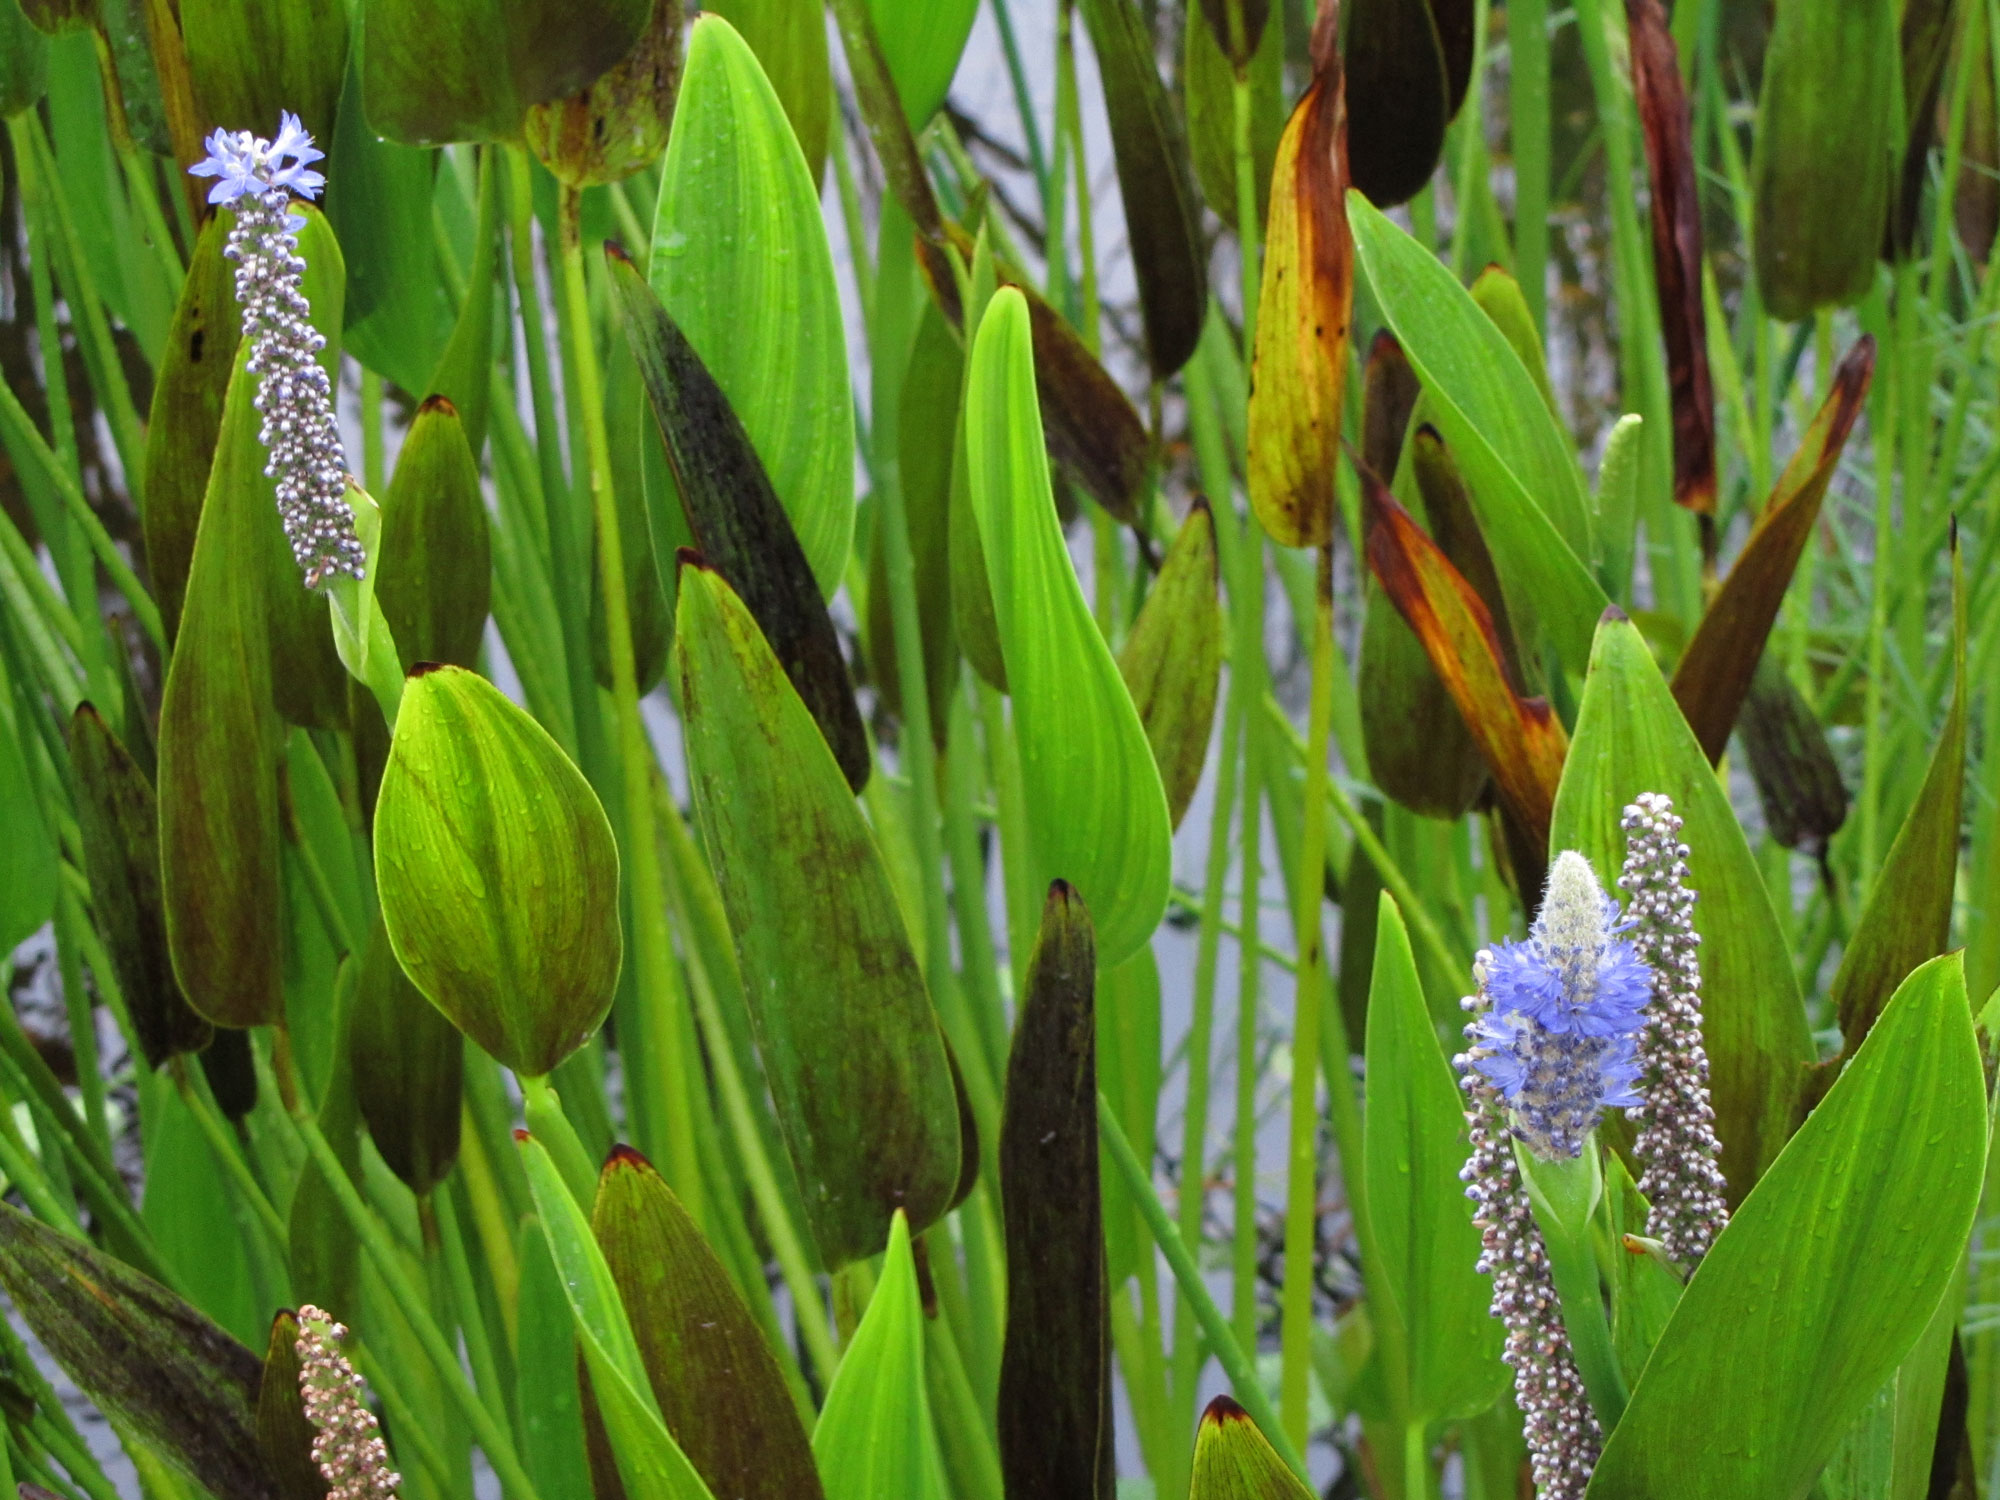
{"type": "Point", "coordinates": [715, 1379]}
{"type": "Point", "coordinates": [1210, 85]}
{"type": "Point", "coordinates": [219, 742]}
{"type": "Point", "coordinates": [1631, 738]}
{"type": "Point", "coordinates": [284, 1434]}
{"type": "Point", "coordinates": [435, 574]}
{"type": "Point", "coordinates": [1234, 1461]}
{"type": "Point", "coordinates": [464, 371]}
{"type": "Point", "coordinates": [24, 60]}
{"type": "Point", "coordinates": [874, 1436]}
{"type": "Point", "coordinates": [740, 260]}
{"type": "Point", "coordinates": [735, 517]}
{"type": "Point", "coordinates": [28, 855]}
{"type": "Point", "coordinates": [1055, 1366]}
{"type": "Point", "coordinates": [249, 59]}
{"type": "Point", "coordinates": [409, 1068]}
{"type": "Point", "coordinates": [850, 1044]}
{"type": "Point", "coordinates": [1172, 660]}
{"type": "Point", "coordinates": [118, 817]}
{"type": "Point", "coordinates": [1414, 1130]}
{"type": "Point", "coordinates": [650, 1462]}
{"type": "Point", "coordinates": [1907, 917]}
{"type": "Point", "coordinates": [546, 1387]}
{"type": "Point", "coordinates": [1827, 1275]}
{"type": "Point", "coordinates": [143, 1356]}
{"type": "Point", "coordinates": [463, 70]}
{"type": "Point", "coordinates": [1826, 142]}
{"type": "Point", "coordinates": [789, 38]}
{"type": "Point", "coordinates": [1097, 813]}
{"type": "Point", "coordinates": [1155, 181]}
{"type": "Point", "coordinates": [186, 415]}
{"type": "Point", "coordinates": [497, 872]}
{"type": "Point", "coordinates": [921, 42]}
{"type": "Point", "coordinates": [1526, 489]}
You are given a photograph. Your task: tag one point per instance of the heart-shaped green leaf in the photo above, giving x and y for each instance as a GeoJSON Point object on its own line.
{"type": "Point", "coordinates": [1096, 809]}
{"type": "Point", "coordinates": [497, 872]}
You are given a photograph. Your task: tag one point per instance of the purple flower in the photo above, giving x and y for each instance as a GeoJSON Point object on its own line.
{"type": "Point", "coordinates": [249, 165]}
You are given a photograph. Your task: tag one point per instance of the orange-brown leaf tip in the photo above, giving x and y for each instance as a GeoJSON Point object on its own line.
{"type": "Point", "coordinates": [690, 557]}
{"type": "Point", "coordinates": [1061, 890]}
{"type": "Point", "coordinates": [615, 252]}
{"type": "Point", "coordinates": [1224, 1409]}
{"type": "Point", "coordinates": [85, 709]}
{"type": "Point", "coordinates": [520, 1136]}
{"type": "Point", "coordinates": [439, 403]}
{"type": "Point", "coordinates": [630, 1158]}
{"type": "Point", "coordinates": [424, 668]}
{"type": "Point", "coordinates": [1383, 342]}
{"type": "Point", "coordinates": [1612, 615]}
{"type": "Point", "coordinates": [1951, 542]}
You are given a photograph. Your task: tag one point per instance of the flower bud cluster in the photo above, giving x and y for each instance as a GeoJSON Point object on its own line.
{"type": "Point", "coordinates": [294, 397]}
{"type": "Point", "coordinates": [348, 1448]}
{"type": "Point", "coordinates": [1675, 1118]}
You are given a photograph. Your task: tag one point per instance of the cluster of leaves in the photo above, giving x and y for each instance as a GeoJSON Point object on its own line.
{"type": "Point", "coordinates": [354, 910]}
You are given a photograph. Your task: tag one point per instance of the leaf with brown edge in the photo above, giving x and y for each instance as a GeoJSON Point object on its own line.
{"type": "Point", "coordinates": [1055, 1371]}
{"type": "Point", "coordinates": [1389, 391]}
{"type": "Point", "coordinates": [718, 1386]}
{"type": "Point", "coordinates": [144, 1357]}
{"type": "Point", "coordinates": [1155, 182]}
{"type": "Point", "coordinates": [1173, 659]}
{"type": "Point", "coordinates": [284, 1433]}
{"type": "Point", "coordinates": [1234, 1461]}
{"type": "Point", "coordinates": [1299, 365]}
{"type": "Point", "coordinates": [1907, 918]}
{"type": "Point", "coordinates": [1668, 131]}
{"type": "Point", "coordinates": [736, 517]}
{"type": "Point", "coordinates": [1714, 673]}
{"type": "Point", "coordinates": [1521, 738]}
{"type": "Point", "coordinates": [1093, 432]}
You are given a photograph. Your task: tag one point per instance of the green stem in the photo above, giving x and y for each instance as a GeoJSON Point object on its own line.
{"type": "Point", "coordinates": [662, 1004]}
{"type": "Point", "coordinates": [1302, 1154]}
{"type": "Point", "coordinates": [1242, 1372]}
{"type": "Point", "coordinates": [1564, 1196]}
{"type": "Point", "coordinates": [1528, 114]}
{"type": "Point", "coordinates": [415, 1309]}
{"type": "Point", "coordinates": [471, 1322]}
{"type": "Point", "coordinates": [1416, 1461]}
{"type": "Point", "coordinates": [548, 1124]}
{"type": "Point", "coordinates": [1248, 227]}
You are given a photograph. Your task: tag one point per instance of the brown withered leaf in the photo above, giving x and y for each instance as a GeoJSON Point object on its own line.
{"type": "Point", "coordinates": [1667, 127]}
{"type": "Point", "coordinates": [1397, 95]}
{"type": "Point", "coordinates": [1521, 738]}
{"type": "Point", "coordinates": [1457, 29]}
{"type": "Point", "coordinates": [1715, 671]}
{"type": "Point", "coordinates": [1093, 433]}
{"type": "Point", "coordinates": [1054, 1410]}
{"type": "Point", "coordinates": [1389, 391]}
{"type": "Point", "coordinates": [1299, 364]}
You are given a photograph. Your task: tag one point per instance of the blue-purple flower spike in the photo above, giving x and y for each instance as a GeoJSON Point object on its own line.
{"type": "Point", "coordinates": [1557, 1018]}
{"type": "Point", "coordinates": [258, 178]}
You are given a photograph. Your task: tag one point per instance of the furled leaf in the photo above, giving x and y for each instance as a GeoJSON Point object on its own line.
{"type": "Point", "coordinates": [850, 1044]}
{"type": "Point", "coordinates": [1500, 297]}
{"type": "Point", "coordinates": [219, 741]}
{"type": "Point", "coordinates": [249, 59]}
{"type": "Point", "coordinates": [284, 1435]}
{"type": "Point", "coordinates": [186, 414]}
{"type": "Point", "coordinates": [1299, 365]}
{"type": "Point", "coordinates": [1629, 739]}
{"type": "Point", "coordinates": [874, 1436]}
{"type": "Point", "coordinates": [1172, 660]}
{"type": "Point", "coordinates": [635, 444]}
{"type": "Point", "coordinates": [651, 1465]}
{"type": "Point", "coordinates": [735, 516]}
{"type": "Point", "coordinates": [458, 70]}
{"type": "Point", "coordinates": [1094, 434]}
{"type": "Point", "coordinates": [741, 264]}
{"type": "Point", "coordinates": [1713, 675]}
{"type": "Point", "coordinates": [435, 572]}
{"type": "Point", "coordinates": [1907, 916]}
{"type": "Point", "coordinates": [1785, 746]}
{"type": "Point", "coordinates": [1162, 212]}
{"type": "Point", "coordinates": [1927, 33]}
{"type": "Point", "coordinates": [119, 820]}
{"type": "Point", "coordinates": [142, 1355]}
{"type": "Point", "coordinates": [497, 872]}
{"type": "Point", "coordinates": [1234, 1461]}
{"type": "Point", "coordinates": [1521, 738]}
{"type": "Point", "coordinates": [618, 124]}
{"type": "Point", "coordinates": [1830, 1270]}
{"type": "Point", "coordinates": [1826, 143]}
{"type": "Point", "coordinates": [1668, 130]}
{"type": "Point", "coordinates": [1097, 812]}
{"type": "Point", "coordinates": [1209, 83]}
{"type": "Point", "coordinates": [921, 42]}
{"type": "Point", "coordinates": [1414, 1134]}
{"type": "Point", "coordinates": [1055, 1370]}
{"type": "Point", "coordinates": [1526, 489]}
{"type": "Point", "coordinates": [714, 1377]}
{"type": "Point", "coordinates": [28, 855]}
{"type": "Point", "coordinates": [409, 1064]}
{"type": "Point", "coordinates": [789, 38]}
{"type": "Point", "coordinates": [1398, 98]}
